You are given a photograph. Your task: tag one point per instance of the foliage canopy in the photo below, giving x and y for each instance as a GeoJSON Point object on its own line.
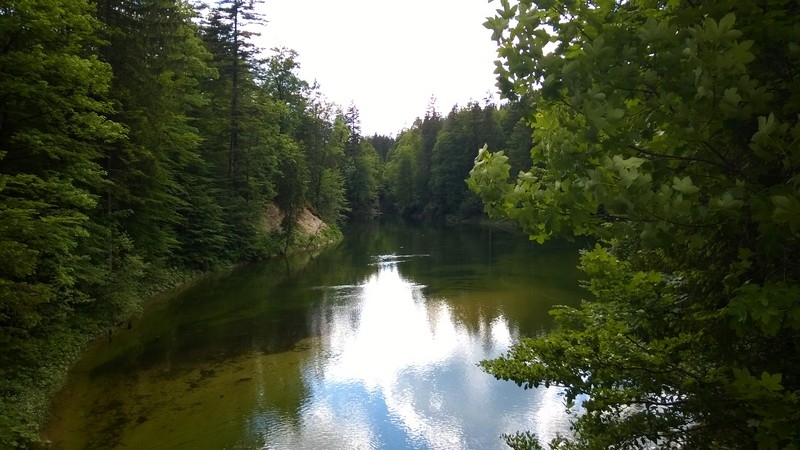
{"type": "Point", "coordinates": [669, 131]}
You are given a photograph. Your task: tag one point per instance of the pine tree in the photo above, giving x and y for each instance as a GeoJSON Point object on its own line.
{"type": "Point", "coordinates": [158, 62]}
{"type": "Point", "coordinates": [241, 125]}
{"type": "Point", "coordinates": [227, 33]}
{"type": "Point", "coordinates": [463, 129]}
{"type": "Point", "coordinates": [429, 130]}
{"type": "Point", "coordinates": [324, 135]}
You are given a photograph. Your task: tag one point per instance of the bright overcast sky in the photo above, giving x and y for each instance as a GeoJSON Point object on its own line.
{"type": "Point", "coordinates": [388, 57]}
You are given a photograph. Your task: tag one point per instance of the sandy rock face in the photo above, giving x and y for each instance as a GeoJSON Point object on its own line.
{"type": "Point", "coordinates": [308, 223]}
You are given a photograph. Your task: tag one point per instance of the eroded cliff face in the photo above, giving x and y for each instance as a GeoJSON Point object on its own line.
{"type": "Point", "coordinates": [307, 222]}
{"type": "Point", "coordinates": [308, 233]}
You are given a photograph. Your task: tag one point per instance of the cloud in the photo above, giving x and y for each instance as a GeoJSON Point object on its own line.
{"type": "Point", "coordinates": [388, 58]}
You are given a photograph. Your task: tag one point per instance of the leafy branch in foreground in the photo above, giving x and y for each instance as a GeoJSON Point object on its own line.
{"type": "Point", "coordinates": [669, 131]}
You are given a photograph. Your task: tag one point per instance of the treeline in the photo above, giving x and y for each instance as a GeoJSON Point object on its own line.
{"type": "Point", "coordinates": [425, 169]}
{"type": "Point", "coordinates": [140, 143]}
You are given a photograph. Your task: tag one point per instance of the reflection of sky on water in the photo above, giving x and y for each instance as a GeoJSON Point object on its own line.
{"type": "Point", "coordinates": [394, 369]}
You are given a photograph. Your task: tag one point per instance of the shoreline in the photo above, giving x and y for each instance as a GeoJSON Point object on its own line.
{"type": "Point", "coordinates": [43, 400]}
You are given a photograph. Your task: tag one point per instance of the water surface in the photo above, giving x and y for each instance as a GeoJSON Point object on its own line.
{"type": "Point", "coordinates": [372, 345]}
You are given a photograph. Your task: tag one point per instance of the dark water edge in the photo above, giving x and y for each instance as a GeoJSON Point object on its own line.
{"type": "Point", "coordinates": [43, 400]}
{"type": "Point", "coordinates": [244, 344]}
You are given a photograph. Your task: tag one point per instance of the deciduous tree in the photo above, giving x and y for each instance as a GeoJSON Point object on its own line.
{"type": "Point", "coordinates": [52, 133]}
{"type": "Point", "coordinates": [668, 130]}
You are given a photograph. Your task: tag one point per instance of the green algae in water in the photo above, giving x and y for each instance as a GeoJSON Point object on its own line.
{"type": "Point", "coordinates": [192, 406]}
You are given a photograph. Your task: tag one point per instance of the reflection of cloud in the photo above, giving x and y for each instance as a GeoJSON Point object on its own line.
{"type": "Point", "coordinates": [398, 370]}
{"type": "Point", "coordinates": [393, 333]}
{"type": "Point", "coordinates": [550, 415]}
{"type": "Point", "coordinates": [436, 432]}
{"type": "Point", "coordinates": [323, 426]}
{"type": "Point", "coordinates": [501, 335]}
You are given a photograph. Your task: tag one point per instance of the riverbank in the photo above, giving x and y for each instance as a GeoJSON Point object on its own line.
{"type": "Point", "coordinates": [26, 393]}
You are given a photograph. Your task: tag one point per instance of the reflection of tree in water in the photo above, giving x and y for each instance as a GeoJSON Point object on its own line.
{"type": "Point", "coordinates": [253, 353]}
{"type": "Point", "coordinates": [413, 354]}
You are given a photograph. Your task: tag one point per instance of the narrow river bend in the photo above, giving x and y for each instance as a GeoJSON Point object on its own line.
{"type": "Point", "coordinates": [372, 345]}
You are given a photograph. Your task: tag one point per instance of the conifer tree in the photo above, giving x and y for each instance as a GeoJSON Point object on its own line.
{"type": "Point", "coordinates": [158, 62]}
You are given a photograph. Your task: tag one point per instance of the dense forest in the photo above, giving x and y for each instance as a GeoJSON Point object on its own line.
{"type": "Point", "coordinates": [140, 145]}
{"type": "Point", "coordinates": [669, 132]}
{"type": "Point", "coordinates": [142, 142]}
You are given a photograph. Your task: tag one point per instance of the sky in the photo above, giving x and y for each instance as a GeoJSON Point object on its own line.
{"type": "Point", "coordinates": [388, 58]}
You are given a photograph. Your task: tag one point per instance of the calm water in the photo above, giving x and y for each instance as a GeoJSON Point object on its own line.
{"type": "Point", "coordinates": [372, 345]}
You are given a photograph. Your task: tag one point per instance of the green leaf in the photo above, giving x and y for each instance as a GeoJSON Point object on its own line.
{"type": "Point", "coordinates": [787, 211]}
{"type": "Point", "coordinates": [684, 185]}
{"type": "Point", "coordinates": [726, 23]}
{"type": "Point", "coordinates": [771, 382]}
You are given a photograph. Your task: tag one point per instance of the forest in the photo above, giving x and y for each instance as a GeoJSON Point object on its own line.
{"type": "Point", "coordinates": [141, 143]}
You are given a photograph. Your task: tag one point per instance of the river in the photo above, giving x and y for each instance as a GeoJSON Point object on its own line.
{"type": "Point", "coordinates": [373, 344]}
